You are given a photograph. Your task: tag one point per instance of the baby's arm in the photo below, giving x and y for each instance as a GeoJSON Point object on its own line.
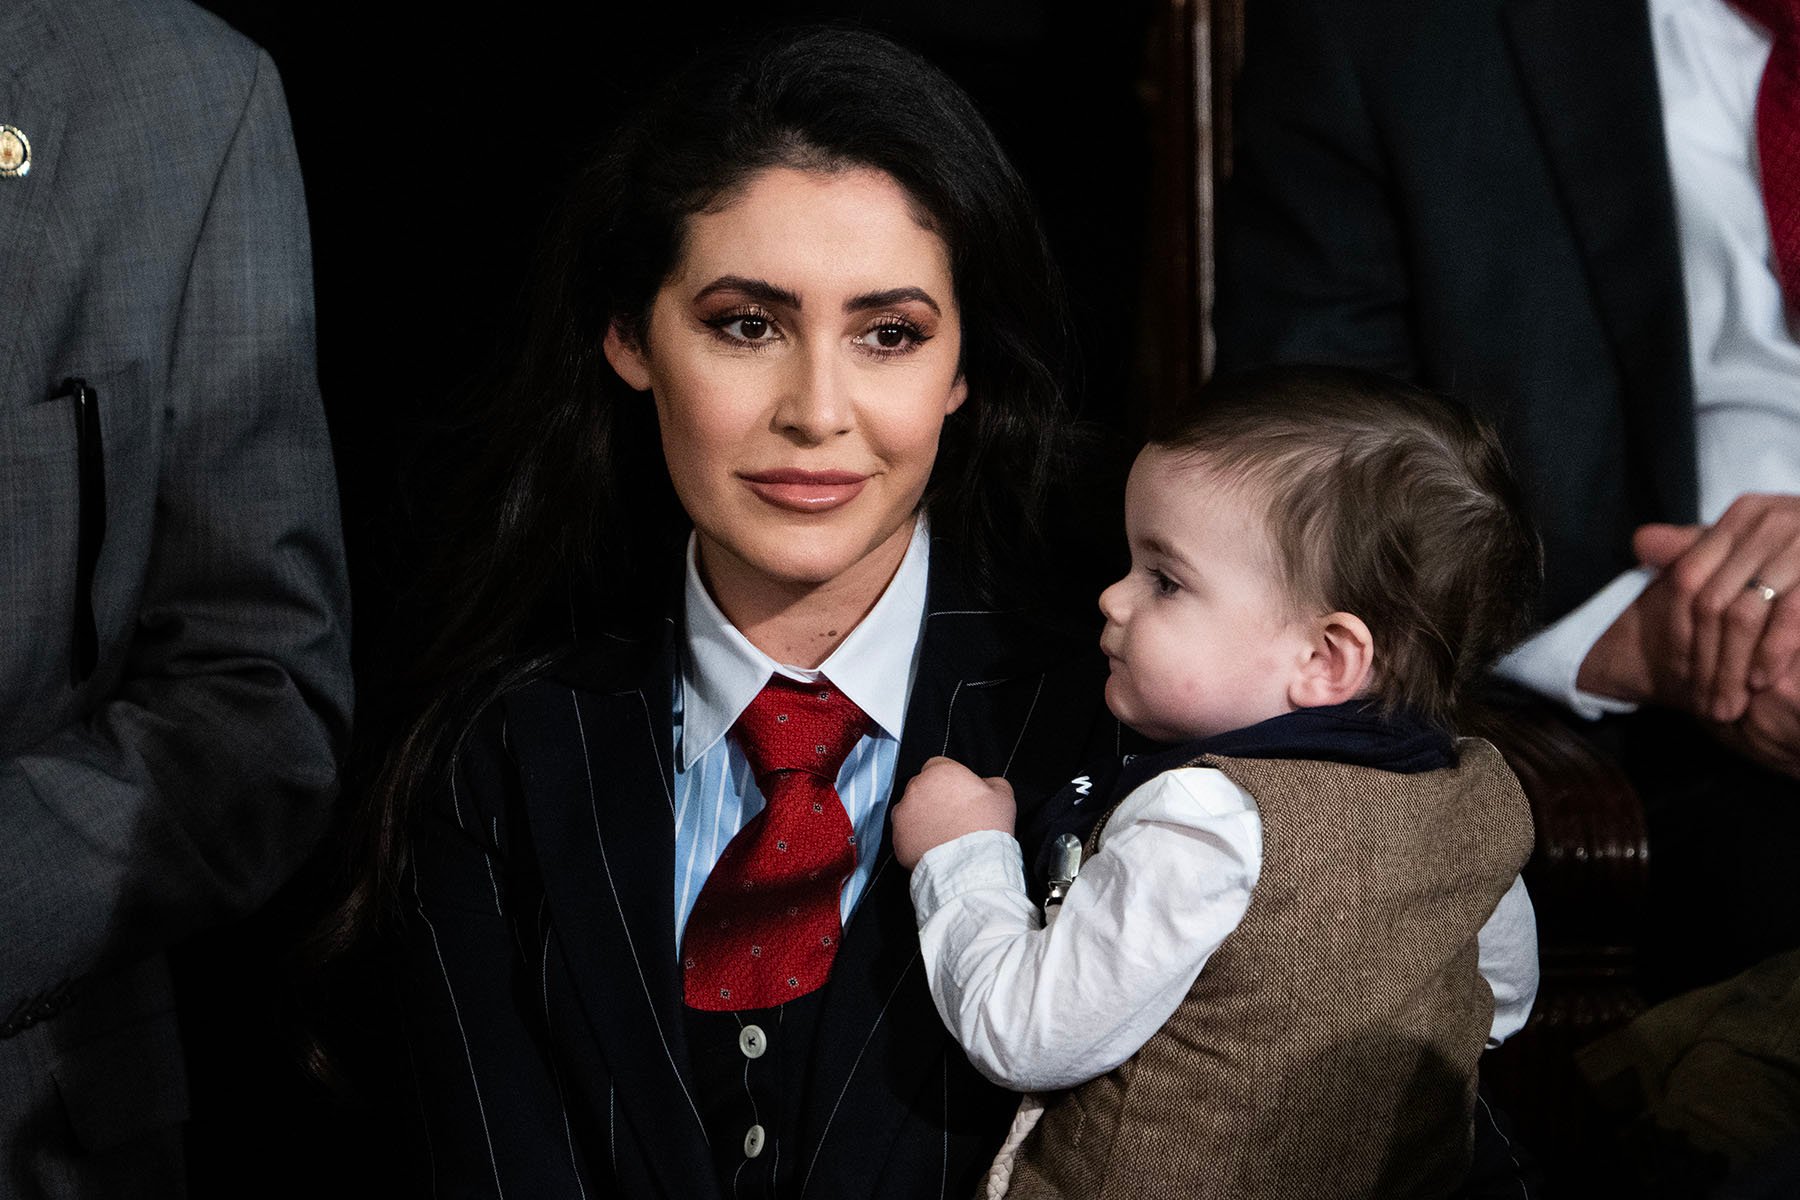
{"type": "Point", "coordinates": [1509, 961]}
{"type": "Point", "coordinates": [1040, 1008]}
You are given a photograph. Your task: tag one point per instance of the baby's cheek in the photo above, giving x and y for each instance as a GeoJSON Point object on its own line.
{"type": "Point", "coordinates": [1189, 689]}
{"type": "Point", "coordinates": [1192, 703]}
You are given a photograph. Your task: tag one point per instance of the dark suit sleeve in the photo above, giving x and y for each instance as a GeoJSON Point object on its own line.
{"type": "Point", "coordinates": [206, 776]}
{"type": "Point", "coordinates": [471, 979]}
{"type": "Point", "coordinates": [1311, 262]}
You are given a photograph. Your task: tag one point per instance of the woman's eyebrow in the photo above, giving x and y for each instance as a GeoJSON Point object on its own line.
{"type": "Point", "coordinates": [755, 289]}
{"type": "Point", "coordinates": [890, 297]}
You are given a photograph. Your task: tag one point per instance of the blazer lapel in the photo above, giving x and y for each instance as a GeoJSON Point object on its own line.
{"type": "Point", "coordinates": [602, 822]}
{"type": "Point", "coordinates": [26, 103]}
{"type": "Point", "coordinates": [1598, 117]}
{"type": "Point", "coordinates": [971, 700]}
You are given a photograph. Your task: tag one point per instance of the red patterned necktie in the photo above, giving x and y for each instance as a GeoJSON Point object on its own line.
{"type": "Point", "coordinates": [767, 924]}
{"type": "Point", "coordinates": [1778, 139]}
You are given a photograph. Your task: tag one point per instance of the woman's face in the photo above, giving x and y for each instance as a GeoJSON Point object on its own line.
{"type": "Point", "coordinates": [802, 356]}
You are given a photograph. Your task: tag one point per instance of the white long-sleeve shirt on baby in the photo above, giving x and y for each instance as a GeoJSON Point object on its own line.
{"type": "Point", "coordinates": [1042, 1008]}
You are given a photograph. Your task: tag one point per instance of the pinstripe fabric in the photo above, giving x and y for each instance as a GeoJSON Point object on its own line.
{"type": "Point", "coordinates": [487, 1135]}
{"type": "Point", "coordinates": [572, 791]}
{"type": "Point", "coordinates": [587, 764]}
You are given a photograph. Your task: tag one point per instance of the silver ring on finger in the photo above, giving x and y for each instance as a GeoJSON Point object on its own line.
{"type": "Point", "coordinates": [1762, 589]}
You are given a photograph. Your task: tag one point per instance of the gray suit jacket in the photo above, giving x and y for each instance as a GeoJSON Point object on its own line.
{"type": "Point", "coordinates": [157, 248]}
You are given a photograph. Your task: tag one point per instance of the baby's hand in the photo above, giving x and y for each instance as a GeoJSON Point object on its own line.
{"type": "Point", "coordinates": [944, 801]}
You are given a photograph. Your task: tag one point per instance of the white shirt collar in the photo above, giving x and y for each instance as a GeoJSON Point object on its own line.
{"type": "Point", "coordinates": [721, 672]}
{"type": "Point", "coordinates": [1717, 13]}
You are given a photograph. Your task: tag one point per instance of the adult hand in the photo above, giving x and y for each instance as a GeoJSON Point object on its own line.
{"type": "Point", "coordinates": [1740, 581]}
{"type": "Point", "coordinates": [944, 801]}
{"type": "Point", "coordinates": [1769, 730]}
{"type": "Point", "coordinates": [1644, 656]}
{"type": "Point", "coordinates": [1700, 638]}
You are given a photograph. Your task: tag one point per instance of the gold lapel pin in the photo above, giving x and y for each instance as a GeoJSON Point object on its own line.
{"type": "Point", "coordinates": [15, 152]}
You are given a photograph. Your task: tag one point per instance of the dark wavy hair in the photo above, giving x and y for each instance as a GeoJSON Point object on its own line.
{"type": "Point", "coordinates": [560, 501]}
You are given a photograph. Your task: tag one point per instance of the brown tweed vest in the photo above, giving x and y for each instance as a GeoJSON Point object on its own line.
{"type": "Point", "coordinates": [1329, 1047]}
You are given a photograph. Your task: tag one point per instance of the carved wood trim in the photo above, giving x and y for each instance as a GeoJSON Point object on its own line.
{"type": "Point", "coordinates": [1196, 50]}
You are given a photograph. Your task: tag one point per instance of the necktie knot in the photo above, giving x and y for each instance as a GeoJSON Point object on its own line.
{"type": "Point", "coordinates": [765, 928]}
{"type": "Point", "coordinates": [794, 726]}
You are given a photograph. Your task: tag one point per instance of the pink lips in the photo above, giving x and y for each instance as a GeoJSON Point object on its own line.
{"type": "Point", "coordinates": [806, 491]}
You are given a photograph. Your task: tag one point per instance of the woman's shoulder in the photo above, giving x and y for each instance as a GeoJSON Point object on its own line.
{"type": "Point", "coordinates": [578, 700]}
{"type": "Point", "coordinates": [482, 770]}
{"type": "Point", "coordinates": [607, 660]}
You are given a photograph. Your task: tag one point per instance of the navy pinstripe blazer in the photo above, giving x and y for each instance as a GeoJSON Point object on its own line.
{"type": "Point", "coordinates": [540, 980]}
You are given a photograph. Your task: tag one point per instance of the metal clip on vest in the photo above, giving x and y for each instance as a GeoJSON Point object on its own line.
{"type": "Point", "coordinates": [1062, 874]}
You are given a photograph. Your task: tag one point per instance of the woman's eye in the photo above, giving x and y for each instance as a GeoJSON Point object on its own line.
{"type": "Point", "coordinates": [746, 328]}
{"type": "Point", "coordinates": [892, 336]}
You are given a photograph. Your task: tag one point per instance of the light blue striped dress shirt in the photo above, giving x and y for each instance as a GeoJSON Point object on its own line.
{"type": "Point", "coordinates": [721, 672]}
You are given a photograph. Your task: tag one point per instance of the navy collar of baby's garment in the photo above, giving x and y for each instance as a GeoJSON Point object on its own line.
{"type": "Point", "coordinates": [1356, 733]}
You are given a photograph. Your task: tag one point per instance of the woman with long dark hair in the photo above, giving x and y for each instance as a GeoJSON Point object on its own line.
{"type": "Point", "coordinates": [748, 539]}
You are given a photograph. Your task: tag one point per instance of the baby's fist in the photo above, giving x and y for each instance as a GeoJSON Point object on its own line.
{"type": "Point", "coordinates": [944, 801]}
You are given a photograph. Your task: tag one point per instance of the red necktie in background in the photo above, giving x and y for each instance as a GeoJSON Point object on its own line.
{"type": "Point", "coordinates": [1778, 138]}
{"type": "Point", "coordinates": [766, 925]}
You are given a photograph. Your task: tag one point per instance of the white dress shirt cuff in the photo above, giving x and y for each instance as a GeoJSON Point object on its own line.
{"type": "Point", "coordinates": [1549, 661]}
{"type": "Point", "coordinates": [981, 861]}
{"type": "Point", "coordinates": [1509, 961]}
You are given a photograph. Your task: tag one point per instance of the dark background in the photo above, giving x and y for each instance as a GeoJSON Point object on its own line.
{"type": "Point", "coordinates": [433, 148]}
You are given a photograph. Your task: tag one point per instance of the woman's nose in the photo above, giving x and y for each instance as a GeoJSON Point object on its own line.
{"type": "Point", "coordinates": [815, 402]}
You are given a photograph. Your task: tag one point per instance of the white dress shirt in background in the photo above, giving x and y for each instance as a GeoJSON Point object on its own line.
{"type": "Point", "coordinates": [1744, 356]}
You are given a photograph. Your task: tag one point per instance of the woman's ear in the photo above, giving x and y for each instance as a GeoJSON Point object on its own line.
{"type": "Point", "coordinates": [959, 392]}
{"type": "Point", "coordinates": [1339, 662]}
{"type": "Point", "coordinates": [626, 354]}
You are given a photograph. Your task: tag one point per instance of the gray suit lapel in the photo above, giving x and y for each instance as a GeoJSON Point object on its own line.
{"type": "Point", "coordinates": [1589, 72]}
{"type": "Point", "coordinates": [28, 101]}
{"type": "Point", "coordinates": [38, 473]}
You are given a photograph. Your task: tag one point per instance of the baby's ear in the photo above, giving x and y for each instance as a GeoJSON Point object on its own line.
{"type": "Point", "coordinates": [1338, 665]}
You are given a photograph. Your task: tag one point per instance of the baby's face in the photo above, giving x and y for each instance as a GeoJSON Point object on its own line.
{"type": "Point", "coordinates": [1200, 634]}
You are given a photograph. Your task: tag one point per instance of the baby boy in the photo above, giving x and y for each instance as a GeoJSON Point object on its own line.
{"type": "Point", "coordinates": [1298, 927]}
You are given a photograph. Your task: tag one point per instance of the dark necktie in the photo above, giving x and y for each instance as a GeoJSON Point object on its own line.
{"type": "Point", "coordinates": [1778, 138]}
{"type": "Point", "coordinates": [766, 925]}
